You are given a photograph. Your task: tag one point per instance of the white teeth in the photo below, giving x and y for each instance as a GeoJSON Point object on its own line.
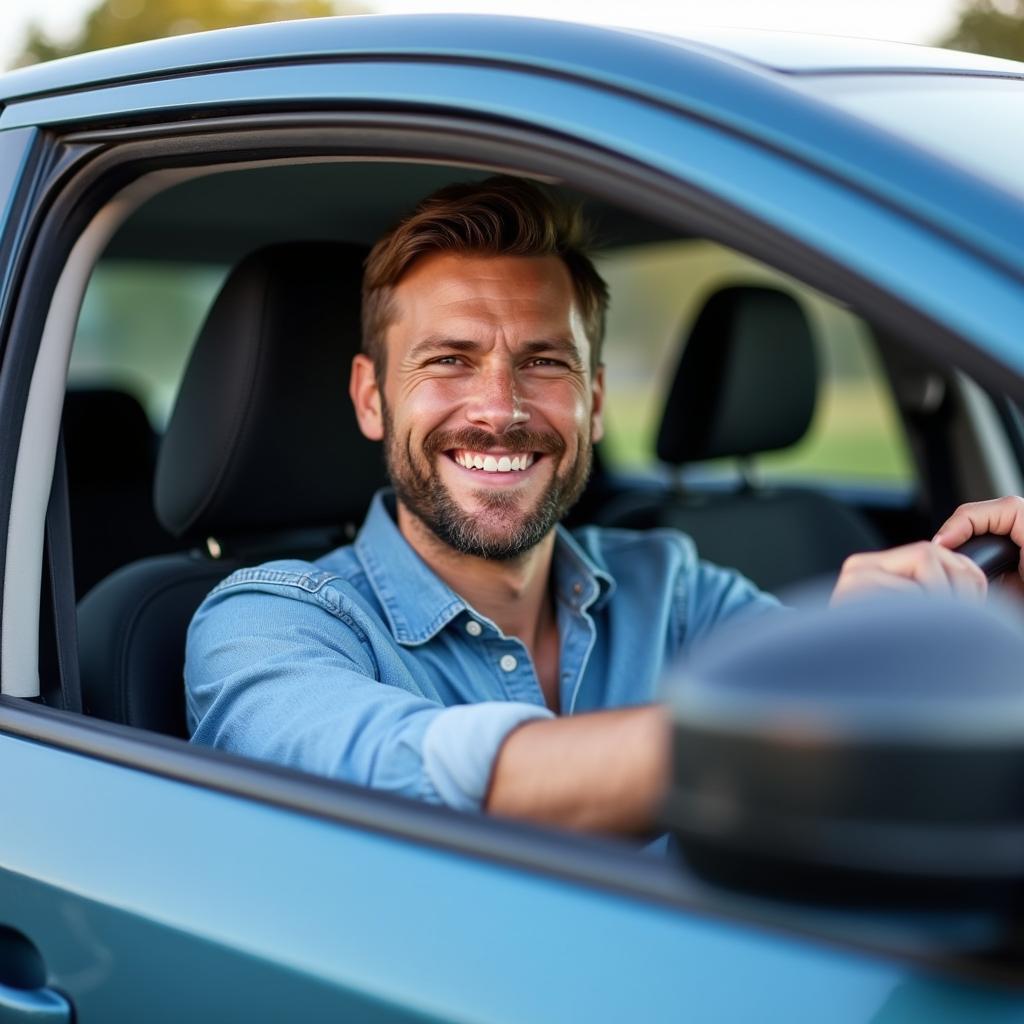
{"type": "Point", "coordinates": [491, 464]}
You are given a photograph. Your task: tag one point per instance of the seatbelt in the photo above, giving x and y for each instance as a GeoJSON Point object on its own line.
{"type": "Point", "coordinates": [59, 679]}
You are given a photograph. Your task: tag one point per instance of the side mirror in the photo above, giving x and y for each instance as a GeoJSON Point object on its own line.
{"type": "Point", "coordinates": [869, 754]}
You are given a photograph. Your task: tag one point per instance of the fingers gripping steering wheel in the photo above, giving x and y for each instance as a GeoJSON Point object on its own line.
{"type": "Point", "coordinates": [993, 554]}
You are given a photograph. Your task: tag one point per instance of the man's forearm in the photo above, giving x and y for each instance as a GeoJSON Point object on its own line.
{"type": "Point", "coordinates": [602, 771]}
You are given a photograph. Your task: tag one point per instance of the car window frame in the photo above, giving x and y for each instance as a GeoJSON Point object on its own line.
{"type": "Point", "coordinates": [109, 158]}
{"type": "Point", "coordinates": [708, 214]}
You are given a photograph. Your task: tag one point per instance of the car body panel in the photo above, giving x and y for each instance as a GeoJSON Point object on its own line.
{"type": "Point", "coordinates": [16, 148]}
{"type": "Point", "coordinates": [556, 45]}
{"type": "Point", "coordinates": [14, 151]}
{"type": "Point", "coordinates": [959, 118]}
{"type": "Point", "coordinates": [803, 53]}
{"type": "Point", "coordinates": [389, 930]}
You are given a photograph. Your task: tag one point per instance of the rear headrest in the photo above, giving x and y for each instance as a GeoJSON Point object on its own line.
{"type": "Point", "coordinates": [107, 438]}
{"type": "Point", "coordinates": [747, 379]}
{"type": "Point", "coordinates": [263, 436]}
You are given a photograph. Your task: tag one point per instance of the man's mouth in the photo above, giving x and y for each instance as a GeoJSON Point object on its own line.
{"type": "Point", "coordinates": [491, 462]}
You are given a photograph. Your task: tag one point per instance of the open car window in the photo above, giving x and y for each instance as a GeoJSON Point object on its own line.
{"type": "Point", "coordinates": [143, 311]}
{"type": "Point", "coordinates": [154, 285]}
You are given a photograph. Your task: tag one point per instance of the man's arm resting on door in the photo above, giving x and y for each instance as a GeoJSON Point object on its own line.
{"type": "Point", "coordinates": [605, 771]}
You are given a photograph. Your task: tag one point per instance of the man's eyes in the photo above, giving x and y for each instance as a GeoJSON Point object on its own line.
{"type": "Point", "coordinates": [539, 362]}
{"type": "Point", "coordinates": [545, 361]}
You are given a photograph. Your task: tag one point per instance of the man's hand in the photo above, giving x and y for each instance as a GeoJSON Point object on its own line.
{"type": "Point", "coordinates": [1002, 516]}
{"type": "Point", "coordinates": [933, 565]}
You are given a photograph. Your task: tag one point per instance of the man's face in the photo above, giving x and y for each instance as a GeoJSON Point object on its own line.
{"type": "Point", "coordinates": [488, 409]}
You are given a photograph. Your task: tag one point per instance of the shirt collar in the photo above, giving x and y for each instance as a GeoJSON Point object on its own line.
{"type": "Point", "coordinates": [579, 580]}
{"type": "Point", "coordinates": [418, 604]}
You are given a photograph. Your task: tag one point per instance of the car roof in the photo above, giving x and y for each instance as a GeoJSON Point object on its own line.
{"type": "Point", "coordinates": [805, 53]}
{"type": "Point", "coordinates": [602, 53]}
{"type": "Point", "coordinates": [764, 86]}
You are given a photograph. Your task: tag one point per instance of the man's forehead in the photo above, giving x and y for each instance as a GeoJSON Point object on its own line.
{"type": "Point", "coordinates": [450, 277]}
{"type": "Point", "coordinates": [453, 292]}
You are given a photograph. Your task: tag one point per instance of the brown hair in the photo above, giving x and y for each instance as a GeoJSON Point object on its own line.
{"type": "Point", "coordinates": [501, 216]}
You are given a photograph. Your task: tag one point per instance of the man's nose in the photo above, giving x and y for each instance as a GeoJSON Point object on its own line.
{"type": "Point", "coordinates": [496, 403]}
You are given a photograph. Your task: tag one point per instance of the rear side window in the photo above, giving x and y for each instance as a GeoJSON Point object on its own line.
{"type": "Point", "coordinates": [657, 292]}
{"type": "Point", "coordinates": [138, 323]}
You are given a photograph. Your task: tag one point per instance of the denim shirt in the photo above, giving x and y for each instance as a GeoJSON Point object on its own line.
{"type": "Point", "coordinates": [365, 666]}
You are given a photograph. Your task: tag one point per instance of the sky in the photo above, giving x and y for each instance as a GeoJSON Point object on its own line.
{"type": "Point", "coordinates": [911, 21]}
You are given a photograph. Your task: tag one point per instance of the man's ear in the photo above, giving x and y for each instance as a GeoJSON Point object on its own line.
{"type": "Point", "coordinates": [597, 406]}
{"type": "Point", "coordinates": [365, 395]}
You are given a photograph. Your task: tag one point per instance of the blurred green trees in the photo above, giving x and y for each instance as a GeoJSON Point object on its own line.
{"type": "Point", "coordinates": [115, 22]}
{"type": "Point", "coordinates": [995, 27]}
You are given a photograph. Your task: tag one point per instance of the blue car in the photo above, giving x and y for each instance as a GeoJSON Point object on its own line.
{"type": "Point", "coordinates": [815, 248]}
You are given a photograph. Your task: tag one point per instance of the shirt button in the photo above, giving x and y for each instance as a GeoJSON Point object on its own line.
{"type": "Point", "coordinates": [577, 588]}
{"type": "Point", "coordinates": [473, 628]}
{"type": "Point", "coordinates": [508, 663]}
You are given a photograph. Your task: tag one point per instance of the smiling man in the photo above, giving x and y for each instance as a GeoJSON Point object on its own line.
{"type": "Point", "coordinates": [466, 649]}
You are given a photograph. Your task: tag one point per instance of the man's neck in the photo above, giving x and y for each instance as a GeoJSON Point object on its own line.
{"type": "Point", "coordinates": [515, 593]}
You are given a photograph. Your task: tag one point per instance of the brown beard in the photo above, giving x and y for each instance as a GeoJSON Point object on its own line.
{"type": "Point", "coordinates": [425, 495]}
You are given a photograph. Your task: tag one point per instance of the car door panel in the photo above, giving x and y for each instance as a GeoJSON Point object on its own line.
{"type": "Point", "coordinates": [166, 901]}
{"type": "Point", "coordinates": [16, 149]}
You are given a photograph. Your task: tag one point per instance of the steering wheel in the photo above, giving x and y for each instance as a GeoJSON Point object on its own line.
{"type": "Point", "coordinates": [993, 554]}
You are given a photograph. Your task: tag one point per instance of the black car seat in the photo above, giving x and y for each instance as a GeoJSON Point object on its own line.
{"type": "Point", "coordinates": [262, 459]}
{"type": "Point", "coordinates": [111, 458]}
{"type": "Point", "coordinates": [747, 384]}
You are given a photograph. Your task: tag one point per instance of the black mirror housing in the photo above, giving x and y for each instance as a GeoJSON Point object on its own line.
{"type": "Point", "coordinates": [870, 754]}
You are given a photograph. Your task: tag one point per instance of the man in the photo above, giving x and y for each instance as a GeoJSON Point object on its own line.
{"type": "Point", "coordinates": [466, 649]}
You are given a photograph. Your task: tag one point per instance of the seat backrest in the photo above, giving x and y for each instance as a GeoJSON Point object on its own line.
{"type": "Point", "coordinates": [262, 459]}
{"type": "Point", "coordinates": [746, 384]}
{"type": "Point", "coordinates": [111, 458]}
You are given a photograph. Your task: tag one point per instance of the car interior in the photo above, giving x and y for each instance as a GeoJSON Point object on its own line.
{"type": "Point", "coordinates": [207, 427]}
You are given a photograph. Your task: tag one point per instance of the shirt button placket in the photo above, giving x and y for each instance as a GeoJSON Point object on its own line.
{"type": "Point", "coordinates": [519, 680]}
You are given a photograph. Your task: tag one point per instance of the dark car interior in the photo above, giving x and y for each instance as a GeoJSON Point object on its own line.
{"type": "Point", "coordinates": [261, 458]}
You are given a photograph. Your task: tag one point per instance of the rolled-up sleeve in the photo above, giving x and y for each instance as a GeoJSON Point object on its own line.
{"type": "Point", "coordinates": [461, 744]}
{"type": "Point", "coordinates": [280, 674]}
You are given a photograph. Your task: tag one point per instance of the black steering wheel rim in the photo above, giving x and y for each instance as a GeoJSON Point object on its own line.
{"type": "Point", "coordinates": [992, 553]}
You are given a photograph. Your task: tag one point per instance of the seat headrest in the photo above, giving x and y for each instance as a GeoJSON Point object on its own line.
{"type": "Point", "coordinates": [107, 437]}
{"type": "Point", "coordinates": [263, 436]}
{"type": "Point", "coordinates": [746, 382]}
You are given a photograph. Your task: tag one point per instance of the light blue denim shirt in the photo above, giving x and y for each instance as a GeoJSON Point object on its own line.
{"type": "Point", "coordinates": [365, 666]}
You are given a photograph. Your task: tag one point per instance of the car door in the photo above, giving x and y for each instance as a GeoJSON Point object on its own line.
{"type": "Point", "coordinates": [142, 879]}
